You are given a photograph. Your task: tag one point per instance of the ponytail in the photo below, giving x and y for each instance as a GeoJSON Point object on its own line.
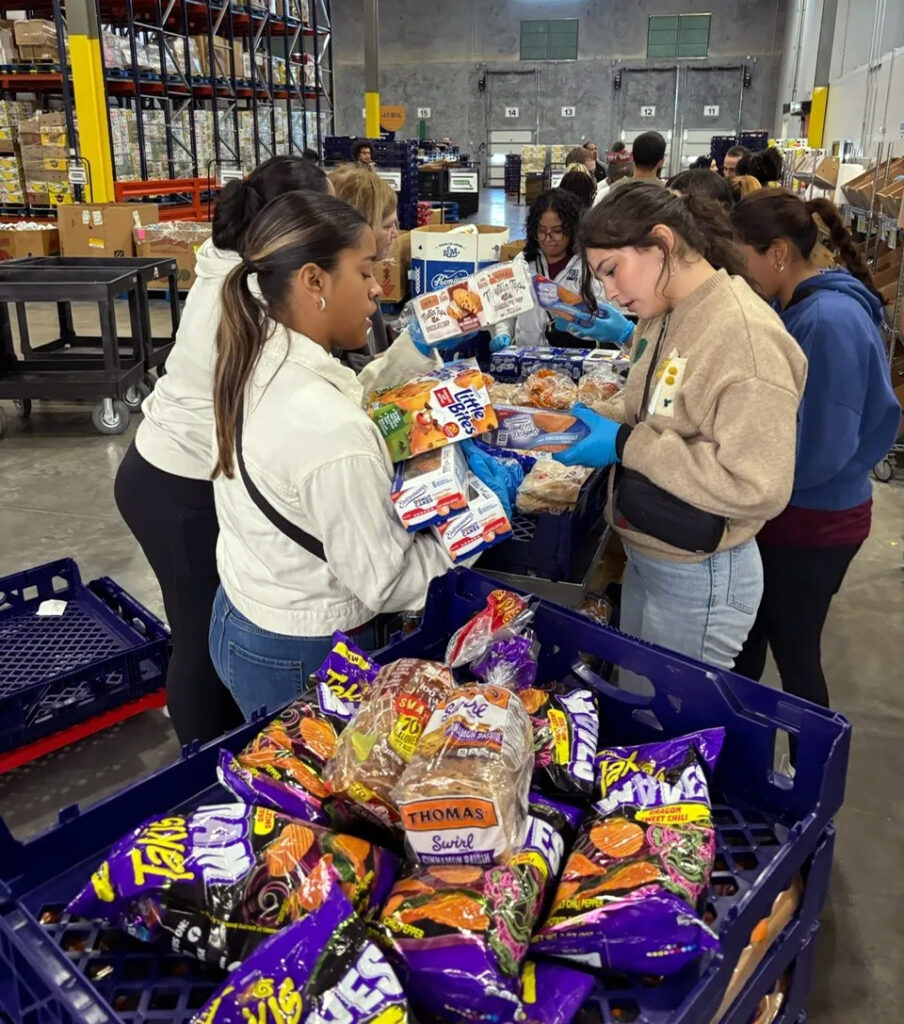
{"type": "Point", "coordinates": [841, 238]}
{"type": "Point", "coordinates": [294, 230]}
{"type": "Point", "coordinates": [628, 215]}
{"type": "Point", "coordinates": [773, 213]}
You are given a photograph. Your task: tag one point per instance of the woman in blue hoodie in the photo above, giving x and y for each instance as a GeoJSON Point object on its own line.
{"type": "Point", "coordinates": [847, 421]}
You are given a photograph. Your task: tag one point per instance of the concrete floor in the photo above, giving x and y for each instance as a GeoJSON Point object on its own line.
{"type": "Point", "coordinates": [56, 499]}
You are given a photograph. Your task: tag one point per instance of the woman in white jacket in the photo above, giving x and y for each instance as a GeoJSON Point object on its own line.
{"type": "Point", "coordinates": [163, 487]}
{"type": "Point", "coordinates": [552, 251]}
{"type": "Point", "coordinates": [309, 540]}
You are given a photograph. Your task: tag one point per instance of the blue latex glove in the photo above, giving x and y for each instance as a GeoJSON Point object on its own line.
{"type": "Point", "coordinates": [598, 448]}
{"type": "Point", "coordinates": [502, 478]}
{"type": "Point", "coordinates": [501, 341]}
{"type": "Point", "coordinates": [450, 345]}
{"type": "Point", "coordinates": [608, 326]}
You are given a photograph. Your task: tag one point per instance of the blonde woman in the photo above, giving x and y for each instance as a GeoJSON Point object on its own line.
{"type": "Point", "coordinates": [378, 204]}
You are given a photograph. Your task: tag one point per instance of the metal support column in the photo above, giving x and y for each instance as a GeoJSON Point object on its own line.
{"type": "Point", "coordinates": [90, 96]}
{"type": "Point", "coordinates": [372, 68]}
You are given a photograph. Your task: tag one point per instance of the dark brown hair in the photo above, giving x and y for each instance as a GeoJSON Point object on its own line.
{"type": "Point", "coordinates": [581, 184]}
{"type": "Point", "coordinates": [295, 229]}
{"type": "Point", "coordinates": [772, 213]}
{"type": "Point", "coordinates": [628, 214]}
{"type": "Point", "coordinates": [703, 184]}
{"type": "Point", "coordinates": [766, 165]}
{"type": "Point", "coordinates": [579, 155]}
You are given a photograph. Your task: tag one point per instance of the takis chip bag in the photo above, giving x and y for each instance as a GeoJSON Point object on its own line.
{"type": "Point", "coordinates": [566, 731]}
{"type": "Point", "coordinates": [504, 614]}
{"type": "Point", "coordinates": [461, 931]}
{"type": "Point", "coordinates": [215, 883]}
{"type": "Point", "coordinates": [283, 765]}
{"type": "Point", "coordinates": [627, 895]}
{"type": "Point", "coordinates": [322, 969]}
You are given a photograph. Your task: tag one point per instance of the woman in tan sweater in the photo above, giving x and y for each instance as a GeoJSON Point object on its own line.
{"type": "Point", "coordinates": [704, 432]}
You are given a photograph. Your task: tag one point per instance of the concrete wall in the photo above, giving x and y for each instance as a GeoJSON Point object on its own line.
{"type": "Point", "coordinates": [434, 55]}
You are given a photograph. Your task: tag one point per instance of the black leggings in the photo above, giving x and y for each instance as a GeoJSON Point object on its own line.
{"type": "Point", "coordinates": [799, 584]}
{"type": "Point", "coordinates": [175, 522]}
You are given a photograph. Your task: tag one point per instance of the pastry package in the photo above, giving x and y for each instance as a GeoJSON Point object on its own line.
{"type": "Point", "coordinates": [539, 432]}
{"type": "Point", "coordinates": [215, 883]}
{"type": "Point", "coordinates": [461, 931]}
{"type": "Point", "coordinates": [482, 525]}
{"type": "Point", "coordinates": [507, 394]}
{"type": "Point", "coordinates": [322, 968]}
{"type": "Point", "coordinates": [282, 767]}
{"type": "Point", "coordinates": [597, 388]}
{"type": "Point", "coordinates": [628, 893]}
{"type": "Point", "coordinates": [566, 728]}
{"type": "Point", "coordinates": [551, 487]}
{"type": "Point", "coordinates": [549, 389]}
{"type": "Point", "coordinates": [567, 361]}
{"type": "Point", "coordinates": [494, 294]}
{"type": "Point", "coordinates": [562, 302]}
{"type": "Point", "coordinates": [445, 405]}
{"type": "Point", "coordinates": [431, 488]}
{"type": "Point", "coordinates": [463, 796]}
{"type": "Point", "coordinates": [504, 614]}
{"type": "Point", "coordinates": [374, 748]}
{"type": "Point", "coordinates": [505, 365]}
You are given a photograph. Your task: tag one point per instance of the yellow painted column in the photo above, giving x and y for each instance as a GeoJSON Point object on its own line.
{"type": "Point", "coordinates": [372, 68]}
{"type": "Point", "coordinates": [90, 94]}
{"type": "Point", "coordinates": [817, 125]}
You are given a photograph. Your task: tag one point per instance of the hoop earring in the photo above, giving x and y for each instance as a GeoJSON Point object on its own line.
{"type": "Point", "coordinates": [322, 304]}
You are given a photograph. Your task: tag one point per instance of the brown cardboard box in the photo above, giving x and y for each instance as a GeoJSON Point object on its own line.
{"type": "Point", "coordinates": [890, 198]}
{"type": "Point", "coordinates": [15, 245]}
{"type": "Point", "coordinates": [859, 191]}
{"type": "Point", "coordinates": [35, 32]}
{"type": "Point", "coordinates": [104, 229]}
{"type": "Point", "coordinates": [511, 249]}
{"type": "Point", "coordinates": [179, 240]}
{"type": "Point", "coordinates": [392, 273]}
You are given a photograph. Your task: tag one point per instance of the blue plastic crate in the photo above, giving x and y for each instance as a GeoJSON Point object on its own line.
{"type": "Point", "coordinates": [768, 830]}
{"type": "Point", "coordinates": [554, 547]}
{"type": "Point", "coordinates": [105, 650]}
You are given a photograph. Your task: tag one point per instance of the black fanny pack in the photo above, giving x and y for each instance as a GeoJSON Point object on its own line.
{"type": "Point", "coordinates": [641, 505]}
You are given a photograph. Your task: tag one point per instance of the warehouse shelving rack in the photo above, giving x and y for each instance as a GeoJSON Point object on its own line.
{"type": "Point", "coordinates": [168, 26]}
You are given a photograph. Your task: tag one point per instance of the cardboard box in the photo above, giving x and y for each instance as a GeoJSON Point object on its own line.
{"type": "Point", "coordinates": [15, 245]}
{"type": "Point", "coordinates": [480, 527]}
{"type": "Point", "coordinates": [444, 254]}
{"type": "Point", "coordinates": [179, 240]}
{"type": "Point", "coordinates": [431, 488]}
{"type": "Point", "coordinates": [392, 273]}
{"type": "Point", "coordinates": [104, 229]}
{"type": "Point", "coordinates": [35, 32]}
{"type": "Point", "coordinates": [9, 53]}
{"type": "Point", "coordinates": [859, 191]}
{"type": "Point", "coordinates": [511, 249]}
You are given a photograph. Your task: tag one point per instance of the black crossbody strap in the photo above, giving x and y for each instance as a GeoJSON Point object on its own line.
{"type": "Point", "coordinates": [654, 362]}
{"type": "Point", "coordinates": [301, 537]}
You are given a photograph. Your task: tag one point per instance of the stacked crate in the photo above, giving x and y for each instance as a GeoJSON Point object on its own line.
{"type": "Point", "coordinates": [12, 181]}
{"type": "Point", "coordinates": [44, 145]}
{"type": "Point", "coordinates": [513, 174]}
{"type": "Point", "coordinates": [403, 155]}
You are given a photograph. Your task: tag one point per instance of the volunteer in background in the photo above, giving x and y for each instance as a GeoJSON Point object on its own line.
{"type": "Point", "coordinates": [583, 157]}
{"type": "Point", "coordinates": [704, 163]}
{"type": "Point", "coordinates": [363, 154]}
{"type": "Point", "coordinates": [599, 171]}
{"type": "Point", "coordinates": [376, 201]}
{"type": "Point", "coordinates": [766, 166]}
{"type": "Point", "coordinates": [648, 152]}
{"type": "Point", "coordinates": [163, 488]}
{"type": "Point", "coordinates": [704, 185]}
{"type": "Point", "coordinates": [581, 184]}
{"type": "Point", "coordinates": [620, 168]}
{"type": "Point", "coordinates": [744, 185]}
{"type": "Point", "coordinates": [732, 158]}
{"type": "Point", "coordinates": [551, 250]}
{"type": "Point", "coordinates": [705, 429]}
{"type": "Point", "coordinates": [848, 420]}
{"type": "Point", "coordinates": [309, 540]}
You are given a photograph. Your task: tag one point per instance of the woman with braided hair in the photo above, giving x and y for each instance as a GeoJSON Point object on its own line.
{"type": "Point", "coordinates": [849, 418]}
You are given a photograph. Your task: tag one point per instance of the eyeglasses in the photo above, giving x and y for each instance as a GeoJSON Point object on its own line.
{"type": "Point", "coordinates": [552, 234]}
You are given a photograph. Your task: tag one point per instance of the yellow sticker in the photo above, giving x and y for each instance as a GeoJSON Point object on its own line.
{"type": "Point", "coordinates": [529, 982]}
{"type": "Point", "coordinates": [264, 820]}
{"type": "Point", "coordinates": [559, 726]}
{"type": "Point", "coordinates": [675, 814]}
{"type": "Point", "coordinates": [534, 859]}
{"type": "Point", "coordinates": [95, 243]}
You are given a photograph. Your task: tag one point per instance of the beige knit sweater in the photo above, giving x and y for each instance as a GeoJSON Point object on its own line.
{"type": "Point", "coordinates": [721, 424]}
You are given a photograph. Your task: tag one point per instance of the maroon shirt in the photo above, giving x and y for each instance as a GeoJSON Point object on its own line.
{"type": "Point", "coordinates": [556, 268]}
{"type": "Point", "coordinates": [818, 527]}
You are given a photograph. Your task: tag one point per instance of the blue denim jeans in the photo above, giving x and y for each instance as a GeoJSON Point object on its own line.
{"type": "Point", "coordinates": [701, 609]}
{"type": "Point", "coordinates": [260, 668]}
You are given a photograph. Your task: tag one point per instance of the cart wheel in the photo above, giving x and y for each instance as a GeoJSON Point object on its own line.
{"type": "Point", "coordinates": [2, 423]}
{"type": "Point", "coordinates": [135, 395]}
{"type": "Point", "coordinates": [113, 422]}
{"type": "Point", "coordinates": [883, 471]}
{"type": "Point", "coordinates": [23, 408]}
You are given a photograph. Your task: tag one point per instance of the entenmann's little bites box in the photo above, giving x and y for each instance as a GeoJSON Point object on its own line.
{"type": "Point", "coordinates": [441, 407]}
{"type": "Point", "coordinates": [431, 488]}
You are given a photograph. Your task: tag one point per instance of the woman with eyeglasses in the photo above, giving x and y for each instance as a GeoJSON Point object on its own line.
{"type": "Point", "coordinates": [551, 250]}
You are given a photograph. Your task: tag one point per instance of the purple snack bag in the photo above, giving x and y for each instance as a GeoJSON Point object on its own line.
{"type": "Point", "coordinates": [322, 969]}
{"type": "Point", "coordinates": [348, 673]}
{"type": "Point", "coordinates": [510, 662]}
{"type": "Point", "coordinates": [552, 993]}
{"type": "Point", "coordinates": [215, 883]}
{"type": "Point", "coordinates": [566, 729]}
{"type": "Point", "coordinates": [628, 892]}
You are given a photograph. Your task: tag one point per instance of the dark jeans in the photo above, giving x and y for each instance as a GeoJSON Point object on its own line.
{"type": "Point", "coordinates": [174, 520]}
{"type": "Point", "coordinates": [799, 584]}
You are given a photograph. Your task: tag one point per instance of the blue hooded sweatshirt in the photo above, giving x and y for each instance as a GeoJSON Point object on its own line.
{"type": "Point", "coordinates": [849, 416]}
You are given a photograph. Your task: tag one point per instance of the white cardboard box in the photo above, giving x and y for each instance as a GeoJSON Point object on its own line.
{"type": "Point", "coordinates": [442, 254]}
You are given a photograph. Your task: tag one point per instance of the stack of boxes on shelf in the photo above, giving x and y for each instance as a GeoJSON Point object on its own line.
{"type": "Point", "coordinates": [36, 41]}
{"type": "Point", "coordinates": [175, 239]}
{"type": "Point", "coordinates": [44, 145]}
{"type": "Point", "coordinates": [12, 180]}
{"type": "Point", "coordinates": [533, 164]}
